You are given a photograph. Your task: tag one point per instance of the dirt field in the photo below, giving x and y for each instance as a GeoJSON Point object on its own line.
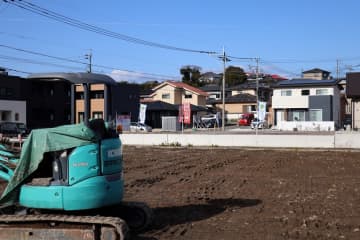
{"type": "Point", "coordinates": [218, 193]}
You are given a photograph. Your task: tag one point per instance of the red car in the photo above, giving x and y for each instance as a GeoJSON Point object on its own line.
{"type": "Point", "coordinates": [245, 119]}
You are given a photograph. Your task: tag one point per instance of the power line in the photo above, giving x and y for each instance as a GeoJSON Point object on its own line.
{"type": "Point", "coordinates": [35, 62]}
{"type": "Point", "coordinates": [292, 61]}
{"type": "Point", "coordinates": [15, 70]}
{"type": "Point", "coordinates": [88, 27]}
{"type": "Point", "coordinates": [84, 63]}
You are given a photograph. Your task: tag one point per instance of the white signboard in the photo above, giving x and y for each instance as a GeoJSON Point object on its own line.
{"type": "Point", "coordinates": [262, 111]}
{"type": "Point", "coordinates": [142, 113]}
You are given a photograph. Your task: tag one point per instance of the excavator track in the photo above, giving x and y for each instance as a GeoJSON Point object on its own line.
{"type": "Point", "coordinates": [65, 227]}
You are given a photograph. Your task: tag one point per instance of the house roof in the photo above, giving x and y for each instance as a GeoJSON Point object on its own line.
{"type": "Point", "coordinates": [277, 77]}
{"type": "Point", "coordinates": [160, 106]}
{"type": "Point", "coordinates": [315, 70]}
{"type": "Point", "coordinates": [76, 78]}
{"type": "Point", "coordinates": [250, 85]}
{"type": "Point", "coordinates": [211, 88]}
{"type": "Point", "coordinates": [238, 98]}
{"type": "Point", "coordinates": [182, 85]}
{"type": "Point", "coordinates": [306, 83]}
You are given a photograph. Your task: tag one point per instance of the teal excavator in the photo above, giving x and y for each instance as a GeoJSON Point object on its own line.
{"type": "Point", "coordinates": [68, 184]}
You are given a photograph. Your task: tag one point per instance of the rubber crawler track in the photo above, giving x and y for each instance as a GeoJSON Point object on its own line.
{"type": "Point", "coordinates": [116, 223]}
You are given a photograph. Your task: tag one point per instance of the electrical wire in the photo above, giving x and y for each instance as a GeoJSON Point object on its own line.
{"type": "Point", "coordinates": [15, 70]}
{"type": "Point", "coordinates": [88, 27]}
{"type": "Point", "coordinates": [85, 63]}
{"type": "Point", "coordinates": [30, 61]}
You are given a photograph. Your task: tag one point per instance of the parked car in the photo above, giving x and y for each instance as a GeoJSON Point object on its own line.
{"type": "Point", "coordinates": [22, 129]}
{"type": "Point", "coordinates": [209, 120]}
{"type": "Point", "coordinates": [245, 119]}
{"type": "Point", "coordinates": [9, 129]}
{"type": "Point", "coordinates": [347, 121]}
{"type": "Point", "coordinates": [139, 127]}
{"type": "Point", "coordinates": [259, 124]}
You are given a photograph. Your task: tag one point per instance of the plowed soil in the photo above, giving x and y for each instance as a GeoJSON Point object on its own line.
{"type": "Point", "coordinates": [227, 193]}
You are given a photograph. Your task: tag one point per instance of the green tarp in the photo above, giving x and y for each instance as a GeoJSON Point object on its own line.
{"type": "Point", "coordinates": [39, 142]}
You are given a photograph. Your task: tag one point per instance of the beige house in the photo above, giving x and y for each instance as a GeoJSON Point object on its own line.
{"type": "Point", "coordinates": [235, 105]}
{"type": "Point", "coordinates": [179, 93]}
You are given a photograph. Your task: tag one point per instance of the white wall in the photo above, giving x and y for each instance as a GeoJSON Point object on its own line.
{"type": "Point", "coordinates": [305, 126]}
{"type": "Point", "coordinates": [338, 140]}
{"type": "Point", "coordinates": [356, 113]}
{"type": "Point", "coordinates": [13, 107]}
{"type": "Point", "coordinates": [290, 102]}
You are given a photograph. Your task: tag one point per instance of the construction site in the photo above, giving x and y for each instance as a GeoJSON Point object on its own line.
{"type": "Point", "coordinates": [245, 193]}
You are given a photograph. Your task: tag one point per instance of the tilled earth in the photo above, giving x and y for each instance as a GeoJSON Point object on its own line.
{"type": "Point", "coordinates": [235, 193]}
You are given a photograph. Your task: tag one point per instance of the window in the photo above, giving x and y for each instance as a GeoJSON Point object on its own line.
{"type": "Point", "coordinates": [315, 115]}
{"type": "Point", "coordinates": [79, 95]}
{"type": "Point", "coordinates": [81, 116]}
{"type": "Point", "coordinates": [17, 116]}
{"type": "Point", "coordinates": [322, 92]}
{"type": "Point", "coordinates": [6, 92]}
{"type": "Point", "coordinates": [188, 95]}
{"type": "Point", "coordinates": [165, 96]}
{"type": "Point", "coordinates": [298, 116]}
{"type": "Point", "coordinates": [305, 92]}
{"type": "Point", "coordinates": [96, 115]}
{"type": "Point", "coordinates": [97, 94]}
{"type": "Point", "coordinates": [285, 92]}
{"type": "Point", "coordinates": [3, 116]}
{"type": "Point", "coordinates": [2, 91]}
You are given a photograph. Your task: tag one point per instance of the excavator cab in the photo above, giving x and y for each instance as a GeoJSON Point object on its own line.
{"type": "Point", "coordinates": [84, 177]}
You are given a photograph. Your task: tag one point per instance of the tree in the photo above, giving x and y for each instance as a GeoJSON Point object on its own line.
{"type": "Point", "coordinates": [234, 76]}
{"type": "Point", "coordinates": [191, 75]}
{"type": "Point", "coordinates": [148, 85]}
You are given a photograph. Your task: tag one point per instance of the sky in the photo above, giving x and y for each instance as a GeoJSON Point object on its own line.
{"type": "Point", "coordinates": [287, 36]}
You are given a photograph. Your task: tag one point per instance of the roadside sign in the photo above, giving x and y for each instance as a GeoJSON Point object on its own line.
{"type": "Point", "coordinates": [142, 113]}
{"type": "Point", "coordinates": [187, 113]}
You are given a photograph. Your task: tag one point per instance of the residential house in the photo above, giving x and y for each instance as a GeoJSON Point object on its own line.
{"type": "Point", "coordinates": [243, 98]}
{"type": "Point", "coordinates": [211, 78]}
{"type": "Point", "coordinates": [124, 101]}
{"type": "Point", "coordinates": [156, 109]}
{"type": "Point", "coordinates": [214, 91]}
{"type": "Point", "coordinates": [234, 105]}
{"type": "Point", "coordinates": [168, 96]}
{"type": "Point", "coordinates": [106, 97]}
{"type": "Point", "coordinates": [13, 95]}
{"type": "Point", "coordinates": [50, 99]}
{"type": "Point", "coordinates": [249, 87]}
{"type": "Point", "coordinates": [316, 74]}
{"type": "Point", "coordinates": [178, 93]}
{"type": "Point", "coordinates": [38, 104]}
{"type": "Point", "coordinates": [305, 100]}
{"type": "Point", "coordinates": [353, 92]}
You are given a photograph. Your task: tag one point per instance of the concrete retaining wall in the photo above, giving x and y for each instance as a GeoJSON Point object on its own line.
{"type": "Point", "coordinates": [342, 140]}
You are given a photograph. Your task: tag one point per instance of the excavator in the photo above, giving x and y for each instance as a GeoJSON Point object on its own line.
{"type": "Point", "coordinates": [68, 184]}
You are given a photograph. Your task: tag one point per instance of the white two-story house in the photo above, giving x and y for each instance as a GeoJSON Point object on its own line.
{"type": "Point", "coordinates": [305, 104]}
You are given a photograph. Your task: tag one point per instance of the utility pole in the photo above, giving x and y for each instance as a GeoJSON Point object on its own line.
{"type": "Point", "coordinates": [257, 92]}
{"type": "Point", "coordinates": [337, 69]}
{"type": "Point", "coordinates": [224, 59]}
{"type": "Point", "coordinates": [89, 57]}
